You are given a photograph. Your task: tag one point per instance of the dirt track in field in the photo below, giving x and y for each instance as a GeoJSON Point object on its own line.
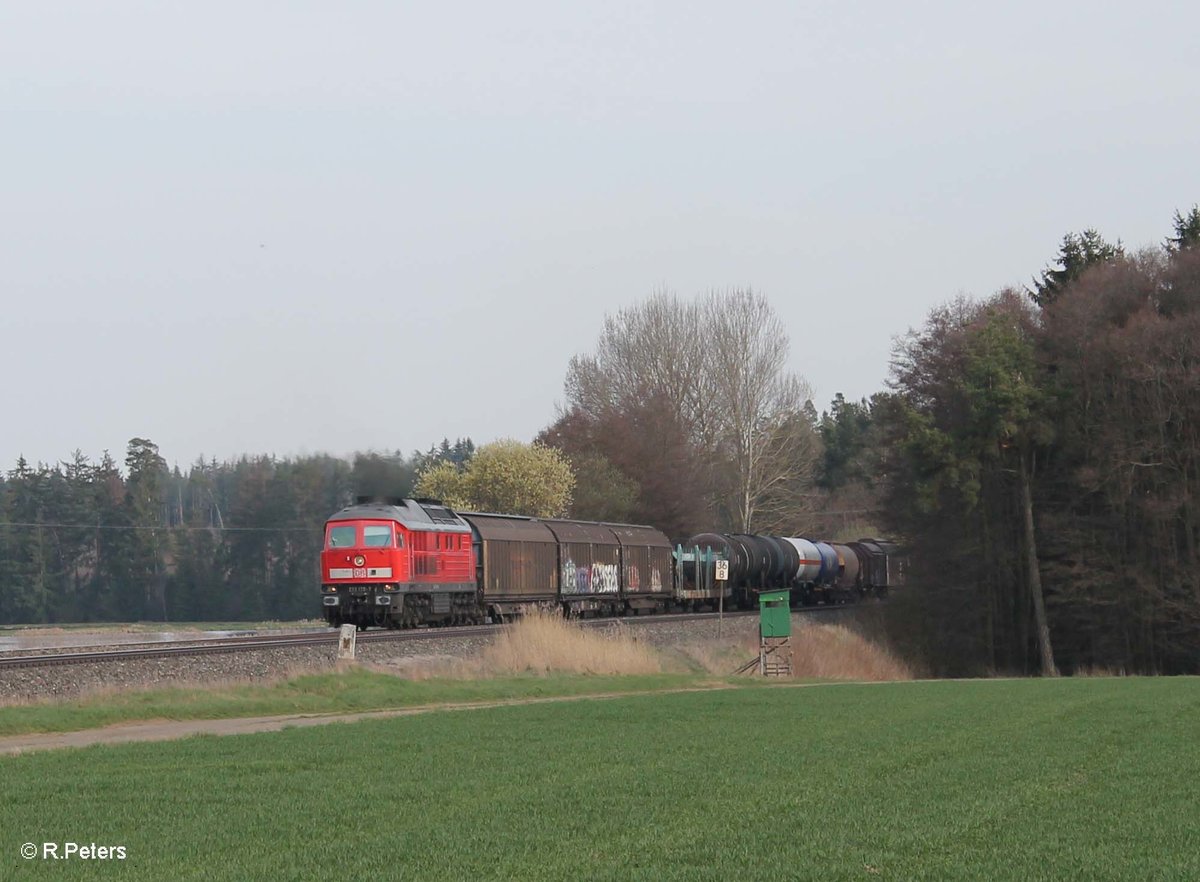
{"type": "Point", "coordinates": [169, 730]}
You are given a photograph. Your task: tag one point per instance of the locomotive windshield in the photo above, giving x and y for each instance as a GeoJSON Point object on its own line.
{"type": "Point", "coordinates": [341, 537]}
{"type": "Point", "coordinates": [377, 535]}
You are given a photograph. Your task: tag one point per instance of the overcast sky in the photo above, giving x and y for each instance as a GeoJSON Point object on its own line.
{"type": "Point", "coordinates": [295, 227]}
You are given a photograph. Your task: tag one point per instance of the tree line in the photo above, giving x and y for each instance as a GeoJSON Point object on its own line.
{"type": "Point", "coordinates": [222, 541]}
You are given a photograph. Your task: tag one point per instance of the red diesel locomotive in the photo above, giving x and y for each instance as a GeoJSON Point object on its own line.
{"type": "Point", "coordinates": [398, 562]}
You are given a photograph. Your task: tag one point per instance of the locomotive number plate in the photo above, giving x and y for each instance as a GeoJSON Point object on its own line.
{"type": "Point", "coordinates": [359, 589]}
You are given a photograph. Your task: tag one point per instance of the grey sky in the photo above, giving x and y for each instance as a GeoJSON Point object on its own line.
{"type": "Point", "coordinates": [295, 227]}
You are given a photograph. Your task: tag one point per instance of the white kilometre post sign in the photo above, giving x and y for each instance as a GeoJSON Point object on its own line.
{"type": "Point", "coordinates": [346, 642]}
{"type": "Point", "coordinates": [722, 575]}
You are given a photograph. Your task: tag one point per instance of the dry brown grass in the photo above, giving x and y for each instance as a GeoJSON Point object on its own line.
{"type": "Point", "coordinates": [821, 652]}
{"type": "Point", "coordinates": [716, 656]}
{"type": "Point", "coordinates": [538, 643]}
{"type": "Point", "coordinates": [834, 652]}
{"type": "Point", "coordinates": [545, 643]}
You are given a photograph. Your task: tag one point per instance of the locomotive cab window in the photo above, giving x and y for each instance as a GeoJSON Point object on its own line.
{"type": "Point", "coordinates": [341, 537]}
{"type": "Point", "coordinates": [377, 536]}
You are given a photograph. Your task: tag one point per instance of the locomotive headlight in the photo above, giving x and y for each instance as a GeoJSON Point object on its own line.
{"type": "Point", "coordinates": [359, 560]}
{"type": "Point", "coordinates": [389, 587]}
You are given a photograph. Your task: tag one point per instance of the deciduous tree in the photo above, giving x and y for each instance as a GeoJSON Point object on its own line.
{"type": "Point", "coordinates": [505, 476]}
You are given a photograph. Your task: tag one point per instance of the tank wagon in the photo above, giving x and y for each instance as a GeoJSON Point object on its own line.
{"type": "Point", "coordinates": [814, 572]}
{"type": "Point", "coordinates": [400, 563]}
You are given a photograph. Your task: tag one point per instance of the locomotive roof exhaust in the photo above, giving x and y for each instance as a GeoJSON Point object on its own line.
{"type": "Point", "coordinates": [379, 500]}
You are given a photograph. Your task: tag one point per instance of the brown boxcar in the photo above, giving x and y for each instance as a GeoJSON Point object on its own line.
{"type": "Point", "coordinates": [589, 566]}
{"type": "Point", "coordinates": [516, 561]}
{"type": "Point", "coordinates": [647, 560]}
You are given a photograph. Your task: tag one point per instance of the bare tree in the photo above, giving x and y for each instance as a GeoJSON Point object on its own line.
{"type": "Point", "coordinates": [780, 489]}
{"type": "Point", "coordinates": [649, 351]}
{"type": "Point", "coordinates": [758, 405]}
{"type": "Point", "coordinates": [718, 365]}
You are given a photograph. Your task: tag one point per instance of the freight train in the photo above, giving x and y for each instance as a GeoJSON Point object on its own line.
{"type": "Point", "coordinates": [400, 563]}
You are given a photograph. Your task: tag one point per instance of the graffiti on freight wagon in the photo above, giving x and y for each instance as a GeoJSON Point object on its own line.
{"type": "Point", "coordinates": [595, 579]}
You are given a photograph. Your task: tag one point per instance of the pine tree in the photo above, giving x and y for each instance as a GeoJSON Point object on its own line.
{"type": "Point", "coordinates": [25, 595]}
{"type": "Point", "coordinates": [1076, 254]}
{"type": "Point", "coordinates": [1187, 231]}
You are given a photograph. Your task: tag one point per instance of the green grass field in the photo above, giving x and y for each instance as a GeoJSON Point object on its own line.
{"type": "Point", "coordinates": [352, 691]}
{"type": "Point", "coordinates": [1079, 779]}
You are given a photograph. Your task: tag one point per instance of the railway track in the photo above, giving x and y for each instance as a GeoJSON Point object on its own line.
{"type": "Point", "coordinates": [218, 645]}
{"type": "Point", "coordinates": [280, 641]}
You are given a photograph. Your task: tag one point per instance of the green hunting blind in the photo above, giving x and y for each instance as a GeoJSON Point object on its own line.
{"type": "Point", "coordinates": [775, 634]}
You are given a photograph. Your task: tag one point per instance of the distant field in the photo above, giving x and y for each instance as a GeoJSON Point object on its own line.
{"type": "Point", "coordinates": [1083, 779]}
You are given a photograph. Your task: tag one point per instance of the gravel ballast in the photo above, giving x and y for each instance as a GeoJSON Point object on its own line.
{"type": "Point", "coordinates": [72, 680]}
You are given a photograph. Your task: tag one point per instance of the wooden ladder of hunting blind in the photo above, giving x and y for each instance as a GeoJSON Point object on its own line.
{"type": "Point", "coordinates": [774, 658]}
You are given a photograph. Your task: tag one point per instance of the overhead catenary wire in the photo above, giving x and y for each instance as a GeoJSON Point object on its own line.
{"type": "Point", "coordinates": [142, 527]}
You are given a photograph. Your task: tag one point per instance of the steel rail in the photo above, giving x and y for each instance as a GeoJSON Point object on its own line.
{"type": "Point", "coordinates": [222, 645]}
{"type": "Point", "coordinates": [99, 646]}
